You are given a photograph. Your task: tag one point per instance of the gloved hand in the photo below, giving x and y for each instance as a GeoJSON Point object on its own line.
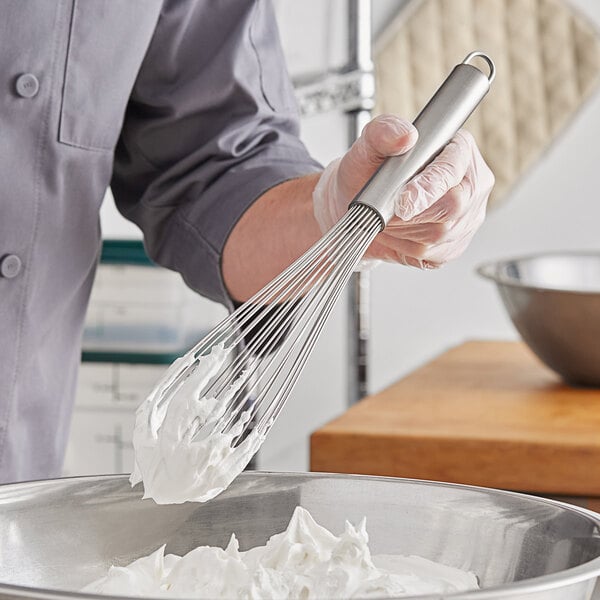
{"type": "Point", "coordinates": [436, 214]}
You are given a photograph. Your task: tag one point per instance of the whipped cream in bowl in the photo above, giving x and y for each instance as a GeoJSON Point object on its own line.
{"type": "Point", "coordinates": [305, 561]}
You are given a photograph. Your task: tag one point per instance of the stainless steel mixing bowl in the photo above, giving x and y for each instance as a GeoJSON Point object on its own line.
{"type": "Point", "coordinates": [554, 301]}
{"type": "Point", "coordinates": [62, 534]}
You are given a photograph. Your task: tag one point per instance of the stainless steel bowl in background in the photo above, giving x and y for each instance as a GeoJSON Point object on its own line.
{"type": "Point", "coordinates": [62, 534]}
{"type": "Point", "coordinates": [554, 301]}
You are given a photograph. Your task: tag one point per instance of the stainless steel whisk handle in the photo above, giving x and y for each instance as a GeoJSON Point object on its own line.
{"type": "Point", "coordinates": [438, 122]}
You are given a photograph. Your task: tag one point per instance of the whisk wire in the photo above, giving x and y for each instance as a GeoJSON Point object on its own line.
{"type": "Point", "coordinates": [274, 332]}
{"type": "Point", "coordinates": [283, 310]}
{"type": "Point", "coordinates": [318, 301]}
{"type": "Point", "coordinates": [322, 309]}
{"type": "Point", "coordinates": [238, 320]}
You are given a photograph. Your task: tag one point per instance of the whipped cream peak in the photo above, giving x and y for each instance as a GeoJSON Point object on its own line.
{"type": "Point", "coordinates": [305, 561]}
{"type": "Point", "coordinates": [175, 463]}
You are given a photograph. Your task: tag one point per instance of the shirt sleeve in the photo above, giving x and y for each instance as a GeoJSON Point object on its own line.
{"type": "Point", "coordinates": [210, 126]}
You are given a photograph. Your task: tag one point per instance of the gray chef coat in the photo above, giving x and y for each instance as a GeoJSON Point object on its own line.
{"type": "Point", "coordinates": [184, 107]}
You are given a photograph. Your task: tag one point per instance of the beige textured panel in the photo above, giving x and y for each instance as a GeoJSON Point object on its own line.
{"type": "Point", "coordinates": [548, 61]}
{"type": "Point", "coordinates": [501, 148]}
{"type": "Point", "coordinates": [587, 56]}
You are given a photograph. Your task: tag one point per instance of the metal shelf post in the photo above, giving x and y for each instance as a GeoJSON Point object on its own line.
{"type": "Point", "coordinates": [360, 59]}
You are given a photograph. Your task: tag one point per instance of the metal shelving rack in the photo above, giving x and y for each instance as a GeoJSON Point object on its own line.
{"type": "Point", "coordinates": [352, 90]}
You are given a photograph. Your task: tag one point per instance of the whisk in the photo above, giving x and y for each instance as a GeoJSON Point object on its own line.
{"type": "Point", "coordinates": [271, 336]}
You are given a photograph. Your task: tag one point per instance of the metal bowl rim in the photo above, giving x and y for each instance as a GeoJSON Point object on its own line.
{"type": "Point", "coordinates": [483, 271]}
{"type": "Point", "coordinates": [571, 576]}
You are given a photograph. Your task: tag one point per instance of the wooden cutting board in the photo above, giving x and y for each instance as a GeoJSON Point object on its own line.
{"type": "Point", "coordinates": [484, 413]}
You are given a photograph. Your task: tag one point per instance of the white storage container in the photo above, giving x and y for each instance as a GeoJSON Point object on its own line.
{"type": "Point", "coordinates": [108, 395]}
{"type": "Point", "coordinates": [140, 319]}
{"type": "Point", "coordinates": [136, 306]}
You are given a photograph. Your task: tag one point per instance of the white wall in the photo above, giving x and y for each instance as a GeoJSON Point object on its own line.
{"type": "Point", "coordinates": [417, 315]}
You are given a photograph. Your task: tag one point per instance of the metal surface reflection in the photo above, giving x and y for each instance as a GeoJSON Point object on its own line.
{"type": "Point", "coordinates": [554, 301]}
{"type": "Point", "coordinates": [62, 534]}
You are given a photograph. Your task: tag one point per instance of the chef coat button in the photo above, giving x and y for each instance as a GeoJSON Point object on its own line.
{"type": "Point", "coordinates": [10, 266]}
{"type": "Point", "coordinates": [27, 85]}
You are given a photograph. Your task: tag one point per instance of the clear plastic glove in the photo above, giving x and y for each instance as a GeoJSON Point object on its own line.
{"type": "Point", "coordinates": [436, 214]}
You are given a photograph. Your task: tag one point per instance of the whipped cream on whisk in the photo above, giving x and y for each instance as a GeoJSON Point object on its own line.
{"type": "Point", "coordinates": [175, 464]}
{"type": "Point", "coordinates": [305, 561]}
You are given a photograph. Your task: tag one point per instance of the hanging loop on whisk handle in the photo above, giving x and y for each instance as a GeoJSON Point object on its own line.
{"type": "Point", "coordinates": [437, 124]}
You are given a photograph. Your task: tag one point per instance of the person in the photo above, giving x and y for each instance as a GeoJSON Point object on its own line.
{"type": "Point", "coordinates": [184, 108]}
